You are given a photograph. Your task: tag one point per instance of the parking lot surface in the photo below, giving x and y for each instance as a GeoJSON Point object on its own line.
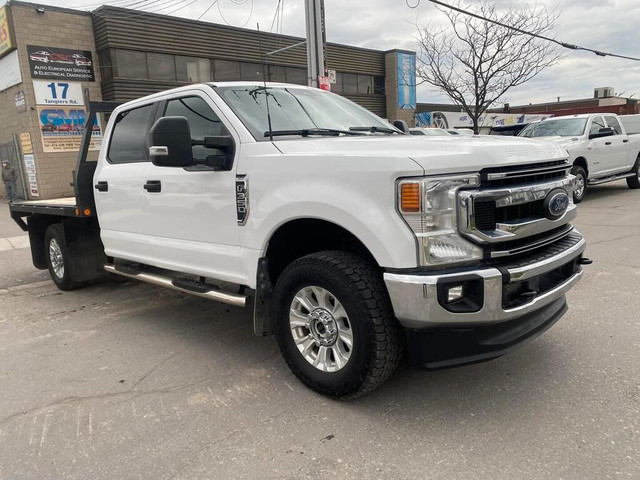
{"type": "Point", "coordinates": [122, 380]}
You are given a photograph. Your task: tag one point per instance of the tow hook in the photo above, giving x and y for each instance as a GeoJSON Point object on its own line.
{"type": "Point", "coordinates": [585, 261]}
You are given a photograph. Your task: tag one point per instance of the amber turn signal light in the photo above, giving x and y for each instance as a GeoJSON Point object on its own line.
{"type": "Point", "coordinates": [410, 197]}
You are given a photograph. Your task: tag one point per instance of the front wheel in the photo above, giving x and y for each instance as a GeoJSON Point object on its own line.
{"type": "Point", "coordinates": [581, 183]}
{"type": "Point", "coordinates": [57, 257]}
{"type": "Point", "coordinates": [634, 182]}
{"type": "Point", "coordinates": [335, 324]}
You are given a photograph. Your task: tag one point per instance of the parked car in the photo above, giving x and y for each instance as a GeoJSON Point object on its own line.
{"type": "Point", "coordinates": [349, 239]}
{"type": "Point", "coordinates": [430, 132]}
{"type": "Point", "coordinates": [460, 131]}
{"type": "Point", "coordinates": [599, 148]}
{"type": "Point", "coordinates": [508, 130]}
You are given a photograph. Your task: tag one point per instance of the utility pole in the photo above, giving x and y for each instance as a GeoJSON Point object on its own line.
{"type": "Point", "coordinates": [316, 40]}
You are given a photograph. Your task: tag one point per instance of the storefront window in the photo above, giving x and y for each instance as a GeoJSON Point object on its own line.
{"type": "Point", "coordinates": [297, 75]}
{"type": "Point", "coordinates": [193, 70]}
{"type": "Point", "coordinates": [251, 72]}
{"type": "Point", "coordinates": [227, 71]}
{"type": "Point", "coordinates": [365, 84]}
{"type": "Point", "coordinates": [130, 64]}
{"type": "Point", "coordinates": [378, 85]}
{"type": "Point", "coordinates": [161, 67]}
{"type": "Point", "coordinates": [106, 69]}
{"type": "Point", "coordinates": [349, 83]}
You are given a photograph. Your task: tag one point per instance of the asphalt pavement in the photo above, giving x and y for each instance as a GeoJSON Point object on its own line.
{"type": "Point", "coordinates": [122, 380]}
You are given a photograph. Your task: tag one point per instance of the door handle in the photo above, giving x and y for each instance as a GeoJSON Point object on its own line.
{"type": "Point", "coordinates": [625, 140]}
{"type": "Point", "coordinates": [153, 186]}
{"type": "Point", "coordinates": [102, 186]}
{"type": "Point", "coordinates": [607, 143]}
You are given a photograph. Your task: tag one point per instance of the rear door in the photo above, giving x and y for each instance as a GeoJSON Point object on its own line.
{"type": "Point", "coordinates": [118, 182]}
{"type": "Point", "coordinates": [190, 213]}
{"type": "Point", "coordinates": [619, 145]}
{"type": "Point", "coordinates": [599, 156]}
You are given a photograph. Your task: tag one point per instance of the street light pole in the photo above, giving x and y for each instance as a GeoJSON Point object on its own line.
{"type": "Point", "coordinates": [316, 40]}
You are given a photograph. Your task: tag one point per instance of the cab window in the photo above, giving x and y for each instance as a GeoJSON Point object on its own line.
{"type": "Point", "coordinates": [613, 123]}
{"type": "Point", "coordinates": [596, 124]}
{"type": "Point", "coordinates": [203, 121]}
{"type": "Point", "coordinates": [128, 140]}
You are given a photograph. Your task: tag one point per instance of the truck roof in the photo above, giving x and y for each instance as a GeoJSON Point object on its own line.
{"type": "Point", "coordinates": [578, 115]}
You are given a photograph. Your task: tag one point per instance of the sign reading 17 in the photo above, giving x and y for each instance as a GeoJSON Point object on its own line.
{"type": "Point", "coordinates": [56, 87]}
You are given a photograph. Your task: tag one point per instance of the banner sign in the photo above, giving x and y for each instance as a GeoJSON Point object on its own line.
{"type": "Point", "coordinates": [7, 42]}
{"type": "Point", "coordinates": [25, 143]}
{"type": "Point", "coordinates": [62, 128]}
{"type": "Point", "coordinates": [9, 71]}
{"type": "Point", "coordinates": [60, 63]}
{"type": "Point", "coordinates": [57, 93]}
{"type": "Point", "coordinates": [406, 80]}
{"type": "Point", "coordinates": [30, 168]}
{"type": "Point", "coordinates": [20, 102]}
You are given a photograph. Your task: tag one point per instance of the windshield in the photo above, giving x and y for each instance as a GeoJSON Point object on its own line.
{"type": "Point", "coordinates": [566, 127]}
{"type": "Point", "coordinates": [294, 109]}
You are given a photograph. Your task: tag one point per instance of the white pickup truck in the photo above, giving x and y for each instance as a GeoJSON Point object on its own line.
{"type": "Point", "coordinates": [351, 240]}
{"type": "Point", "coordinates": [599, 148]}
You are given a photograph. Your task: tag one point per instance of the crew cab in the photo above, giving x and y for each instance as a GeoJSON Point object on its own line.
{"type": "Point", "coordinates": [599, 148]}
{"type": "Point", "coordinates": [351, 240]}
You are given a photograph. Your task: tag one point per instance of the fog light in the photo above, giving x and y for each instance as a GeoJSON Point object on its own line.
{"type": "Point", "coordinates": [455, 293]}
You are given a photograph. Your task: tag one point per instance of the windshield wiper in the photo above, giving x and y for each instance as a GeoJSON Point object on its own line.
{"type": "Point", "coordinates": [305, 132]}
{"type": "Point", "coordinates": [374, 129]}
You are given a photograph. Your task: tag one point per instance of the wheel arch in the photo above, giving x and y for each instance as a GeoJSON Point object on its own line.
{"type": "Point", "coordinates": [582, 162]}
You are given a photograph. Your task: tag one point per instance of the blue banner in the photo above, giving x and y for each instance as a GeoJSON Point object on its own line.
{"type": "Point", "coordinates": [407, 80]}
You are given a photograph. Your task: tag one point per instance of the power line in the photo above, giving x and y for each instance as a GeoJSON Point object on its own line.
{"type": "Point", "coordinates": [208, 8]}
{"type": "Point", "coordinates": [570, 46]}
{"type": "Point", "coordinates": [237, 2]}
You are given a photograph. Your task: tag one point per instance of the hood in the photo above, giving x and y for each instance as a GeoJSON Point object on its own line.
{"type": "Point", "coordinates": [436, 155]}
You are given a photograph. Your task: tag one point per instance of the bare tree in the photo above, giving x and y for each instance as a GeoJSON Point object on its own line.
{"type": "Point", "coordinates": [476, 62]}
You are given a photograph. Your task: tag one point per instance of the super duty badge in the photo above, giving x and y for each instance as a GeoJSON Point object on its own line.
{"type": "Point", "coordinates": [242, 199]}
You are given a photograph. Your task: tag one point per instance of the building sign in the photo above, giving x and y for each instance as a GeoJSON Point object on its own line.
{"type": "Point", "coordinates": [323, 83]}
{"type": "Point", "coordinates": [20, 101]}
{"type": "Point", "coordinates": [332, 76]}
{"type": "Point", "coordinates": [7, 42]}
{"type": "Point", "coordinates": [58, 93]}
{"type": "Point", "coordinates": [30, 168]}
{"type": "Point", "coordinates": [60, 63]}
{"type": "Point", "coordinates": [62, 116]}
{"type": "Point", "coordinates": [25, 143]}
{"type": "Point", "coordinates": [62, 128]}
{"type": "Point", "coordinates": [406, 80]}
{"type": "Point", "coordinates": [462, 120]}
{"type": "Point", "coordinates": [9, 71]}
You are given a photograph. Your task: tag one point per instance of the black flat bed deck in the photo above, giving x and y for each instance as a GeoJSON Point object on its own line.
{"type": "Point", "coordinates": [65, 207]}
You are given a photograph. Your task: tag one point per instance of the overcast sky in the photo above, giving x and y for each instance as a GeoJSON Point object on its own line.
{"type": "Point", "coordinates": [605, 25]}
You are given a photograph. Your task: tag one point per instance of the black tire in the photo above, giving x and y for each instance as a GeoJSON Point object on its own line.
{"type": "Point", "coordinates": [53, 237]}
{"type": "Point", "coordinates": [358, 286]}
{"type": "Point", "coordinates": [580, 173]}
{"type": "Point", "coordinates": [634, 182]}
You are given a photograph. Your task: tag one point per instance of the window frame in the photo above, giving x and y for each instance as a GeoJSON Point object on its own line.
{"type": "Point", "coordinates": [606, 119]}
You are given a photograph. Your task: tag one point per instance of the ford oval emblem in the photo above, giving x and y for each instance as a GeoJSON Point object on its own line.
{"type": "Point", "coordinates": [555, 204]}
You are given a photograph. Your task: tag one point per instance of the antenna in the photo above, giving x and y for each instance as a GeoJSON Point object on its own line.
{"type": "Point", "coordinates": [264, 80]}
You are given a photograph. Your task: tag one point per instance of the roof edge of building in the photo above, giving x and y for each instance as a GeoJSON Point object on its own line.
{"type": "Point", "coordinates": [52, 8]}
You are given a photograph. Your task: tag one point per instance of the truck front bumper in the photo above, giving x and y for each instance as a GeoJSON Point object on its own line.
{"type": "Point", "coordinates": [501, 307]}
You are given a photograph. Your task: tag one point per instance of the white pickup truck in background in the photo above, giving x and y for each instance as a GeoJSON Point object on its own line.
{"type": "Point", "coordinates": [599, 147]}
{"type": "Point", "coordinates": [350, 239]}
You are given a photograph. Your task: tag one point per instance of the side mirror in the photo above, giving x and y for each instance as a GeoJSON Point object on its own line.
{"type": "Point", "coordinates": [401, 125]}
{"type": "Point", "coordinates": [603, 132]}
{"type": "Point", "coordinates": [170, 139]}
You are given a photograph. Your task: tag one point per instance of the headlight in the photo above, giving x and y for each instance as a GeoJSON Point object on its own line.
{"type": "Point", "coordinates": [429, 207]}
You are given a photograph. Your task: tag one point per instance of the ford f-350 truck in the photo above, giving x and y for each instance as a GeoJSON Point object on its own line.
{"type": "Point", "coordinates": [351, 240]}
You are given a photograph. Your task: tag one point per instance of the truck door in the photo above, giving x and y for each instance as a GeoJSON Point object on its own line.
{"type": "Point", "coordinates": [600, 158]}
{"type": "Point", "coordinates": [619, 145]}
{"type": "Point", "coordinates": [118, 183]}
{"type": "Point", "coordinates": [191, 218]}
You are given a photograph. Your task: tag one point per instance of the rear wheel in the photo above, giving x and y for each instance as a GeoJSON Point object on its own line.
{"type": "Point", "coordinates": [335, 324]}
{"type": "Point", "coordinates": [634, 182]}
{"type": "Point", "coordinates": [581, 183]}
{"type": "Point", "coordinates": [57, 257]}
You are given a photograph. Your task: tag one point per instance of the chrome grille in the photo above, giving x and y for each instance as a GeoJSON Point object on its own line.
{"type": "Point", "coordinates": [510, 220]}
{"type": "Point", "coordinates": [495, 177]}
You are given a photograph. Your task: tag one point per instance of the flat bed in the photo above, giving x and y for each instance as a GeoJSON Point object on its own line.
{"type": "Point", "coordinates": [65, 207]}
